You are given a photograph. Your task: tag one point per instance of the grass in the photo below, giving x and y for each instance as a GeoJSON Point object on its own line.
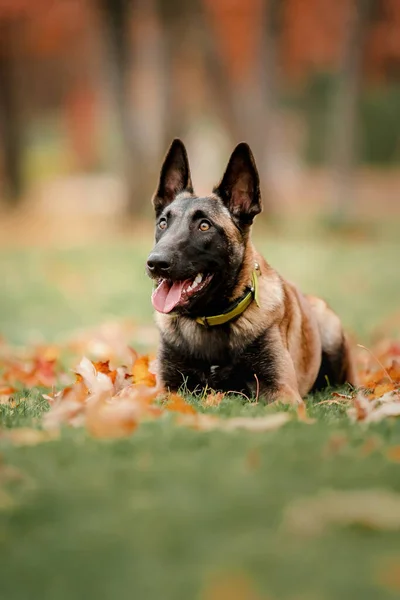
{"type": "Point", "coordinates": [170, 512]}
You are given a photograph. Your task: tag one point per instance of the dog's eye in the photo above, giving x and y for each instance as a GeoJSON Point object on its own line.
{"type": "Point", "coordinates": [204, 226]}
{"type": "Point", "coordinates": [163, 224]}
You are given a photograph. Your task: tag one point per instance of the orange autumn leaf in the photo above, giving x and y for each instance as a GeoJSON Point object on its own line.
{"type": "Point", "coordinates": [382, 388]}
{"type": "Point", "coordinates": [104, 367]}
{"type": "Point", "coordinates": [141, 372]}
{"type": "Point", "coordinates": [112, 420]}
{"type": "Point", "coordinates": [121, 415]}
{"type": "Point", "coordinates": [176, 403]}
{"type": "Point", "coordinates": [6, 391]}
{"type": "Point", "coordinates": [33, 373]}
{"type": "Point", "coordinates": [214, 399]}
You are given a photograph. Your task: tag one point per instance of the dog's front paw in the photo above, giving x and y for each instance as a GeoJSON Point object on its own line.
{"type": "Point", "coordinates": [287, 395]}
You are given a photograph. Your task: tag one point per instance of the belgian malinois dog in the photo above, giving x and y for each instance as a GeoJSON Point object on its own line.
{"type": "Point", "coordinates": [227, 319]}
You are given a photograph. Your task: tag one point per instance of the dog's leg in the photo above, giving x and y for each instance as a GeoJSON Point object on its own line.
{"type": "Point", "coordinates": [286, 387]}
{"type": "Point", "coordinates": [288, 395]}
{"type": "Point", "coordinates": [337, 366]}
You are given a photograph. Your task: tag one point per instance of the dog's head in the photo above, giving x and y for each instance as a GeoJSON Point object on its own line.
{"type": "Point", "coordinates": [201, 241]}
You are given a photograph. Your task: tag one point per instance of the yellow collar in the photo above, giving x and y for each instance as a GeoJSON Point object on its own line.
{"type": "Point", "coordinates": [239, 307]}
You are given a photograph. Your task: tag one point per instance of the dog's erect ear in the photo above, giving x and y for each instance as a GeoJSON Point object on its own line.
{"type": "Point", "coordinates": [174, 177]}
{"type": "Point", "coordinates": [239, 188]}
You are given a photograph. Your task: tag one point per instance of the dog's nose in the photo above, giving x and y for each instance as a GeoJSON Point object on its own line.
{"type": "Point", "coordinates": [158, 263]}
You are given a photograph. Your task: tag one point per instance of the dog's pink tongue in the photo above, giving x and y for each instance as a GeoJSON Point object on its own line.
{"type": "Point", "coordinates": [167, 296]}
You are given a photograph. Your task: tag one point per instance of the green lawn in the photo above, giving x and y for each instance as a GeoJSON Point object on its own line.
{"type": "Point", "coordinates": [168, 511]}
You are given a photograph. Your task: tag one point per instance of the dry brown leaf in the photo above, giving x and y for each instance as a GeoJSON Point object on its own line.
{"type": "Point", "coordinates": [374, 509]}
{"type": "Point", "coordinates": [25, 436]}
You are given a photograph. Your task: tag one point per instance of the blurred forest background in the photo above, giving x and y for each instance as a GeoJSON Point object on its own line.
{"type": "Point", "coordinates": [93, 91]}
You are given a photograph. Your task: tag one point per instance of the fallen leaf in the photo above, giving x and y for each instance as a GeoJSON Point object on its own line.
{"type": "Point", "coordinates": [122, 415]}
{"type": "Point", "coordinates": [360, 409]}
{"type": "Point", "coordinates": [141, 371]}
{"type": "Point", "coordinates": [382, 388]}
{"type": "Point", "coordinates": [213, 399]}
{"type": "Point", "coordinates": [104, 367]}
{"type": "Point", "coordinates": [373, 509]}
{"type": "Point", "coordinates": [176, 403]}
{"type": "Point", "coordinates": [113, 420]}
{"type": "Point", "coordinates": [390, 409]}
{"type": "Point", "coordinates": [6, 392]}
{"type": "Point", "coordinates": [32, 373]}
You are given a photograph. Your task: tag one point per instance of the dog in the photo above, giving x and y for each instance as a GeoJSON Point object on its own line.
{"type": "Point", "coordinates": [228, 321]}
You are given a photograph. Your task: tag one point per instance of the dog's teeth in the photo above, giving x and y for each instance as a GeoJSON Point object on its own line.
{"type": "Point", "coordinates": [198, 278]}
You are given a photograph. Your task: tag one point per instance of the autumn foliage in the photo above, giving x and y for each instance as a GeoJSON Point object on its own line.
{"type": "Point", "coordinates": [112, 400]}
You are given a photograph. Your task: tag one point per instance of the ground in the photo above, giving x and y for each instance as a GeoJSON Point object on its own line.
{"type": "Point", "coordinates": [174, 513]}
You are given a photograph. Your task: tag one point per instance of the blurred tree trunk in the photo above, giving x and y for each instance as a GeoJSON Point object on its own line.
{"type": "Point", "coordinates": [342, 148]}
{"type": "Point", "coordinates": [116, 20]}
{"type": "Point", "coordinates": [172, 15]}
{"type": "Point", "coordinates": [248, 99]}
{"type": "Point", "coordinates": [10, 119]}
{"type": "Point", "coordinates": [269, 68]}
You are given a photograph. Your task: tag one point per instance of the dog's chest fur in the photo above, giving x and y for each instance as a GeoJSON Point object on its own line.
{"type": "Point", "coordinates": [218, 362]}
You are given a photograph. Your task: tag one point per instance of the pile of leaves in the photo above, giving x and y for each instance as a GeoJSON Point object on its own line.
{"type": "Point", "coordinates": [111, 397]}
{"type": "Point", "coordinates": [379, 394]}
